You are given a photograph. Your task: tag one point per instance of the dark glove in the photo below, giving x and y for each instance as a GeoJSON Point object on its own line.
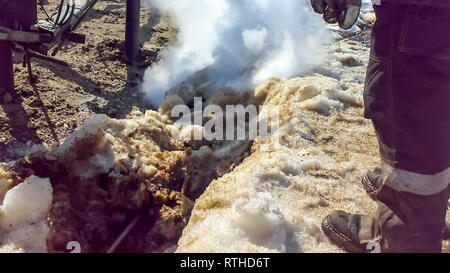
{"type": "Point", "coordinates": [344, 12]}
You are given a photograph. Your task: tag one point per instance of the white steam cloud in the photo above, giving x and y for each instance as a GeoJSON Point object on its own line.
{"type": "Point", "coordinates": [241, 42]}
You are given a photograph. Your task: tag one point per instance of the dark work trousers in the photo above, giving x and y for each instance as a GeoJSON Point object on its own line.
{"type": "Point", "coordinates": [407, 93]}
{"type": "Point", "coordinates": [407, 97]}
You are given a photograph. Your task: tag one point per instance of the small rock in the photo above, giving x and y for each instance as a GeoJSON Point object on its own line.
{"type": "Point", "coordinates": [36, 103]}
{"type": "Point", "coordinates": [349, 60]}
{"type": "Point", "coordinates": [112, 111]}
{"type": "Point", "coordinates": [27, 93]}
{"type": "Point", "coordinates": [32, 112]}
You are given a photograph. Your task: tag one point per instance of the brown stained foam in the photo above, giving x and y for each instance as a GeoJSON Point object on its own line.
{"type": "Point", "coordinates": [312, 170]}
{"type": "Point", "coordinates": [109, 170]}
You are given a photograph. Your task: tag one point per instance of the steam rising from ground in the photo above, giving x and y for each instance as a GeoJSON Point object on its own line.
{"type": "Point", "coordinates": [241, 42]}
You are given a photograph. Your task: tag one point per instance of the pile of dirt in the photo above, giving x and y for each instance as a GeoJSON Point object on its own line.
{"type": "Point", "coordinates": [109, 171]}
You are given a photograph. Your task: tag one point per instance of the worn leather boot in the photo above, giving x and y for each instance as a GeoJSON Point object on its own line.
{"type": "Point", "coordinates": [372, 182]}
{"type": "Point", "coordinates": [403, 223]}
{"type": "Point", "coordinates": [352, 232]}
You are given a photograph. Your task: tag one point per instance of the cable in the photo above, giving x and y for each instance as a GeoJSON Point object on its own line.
{"type": "Point", "coordinates": [70, 7]}
{"type": "Point", "coordinates": [63, 19]}
{"type": "Point", "coordinates": [69, 11]}
{"type": "Point", "coordinates": [46, 14]}
{"type": "Point", "coordinates": [59, 11]}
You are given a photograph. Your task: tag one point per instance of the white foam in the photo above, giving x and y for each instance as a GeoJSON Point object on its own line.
{"type": "Point", "coordinates": [23, 213]}
{"type": "Point", "coordinates": [26, 203]}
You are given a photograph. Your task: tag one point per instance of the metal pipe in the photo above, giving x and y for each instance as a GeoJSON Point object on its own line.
{"type": "Point", "coordinates": [132, 30]}
{"type": "Point", "coordinates": [6, 69]}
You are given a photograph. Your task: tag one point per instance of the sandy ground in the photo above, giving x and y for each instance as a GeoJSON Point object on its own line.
{"type": "Point", "coordinates": [97, 80]}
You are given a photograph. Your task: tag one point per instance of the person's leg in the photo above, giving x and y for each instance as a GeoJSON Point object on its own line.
{"type": "Point", "coordinates": [407, 99]}
{"type": "Point", "coordinates": [416, 158]}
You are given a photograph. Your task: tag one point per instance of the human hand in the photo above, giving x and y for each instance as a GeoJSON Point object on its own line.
{"type": "Point", "coordinates": [343, 12]}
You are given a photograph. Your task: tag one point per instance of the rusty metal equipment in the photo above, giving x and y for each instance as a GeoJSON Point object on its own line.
{"type": "Point", "coordinates": [12, 17]}
{"type": "Point", "coordinates": [20, 31]}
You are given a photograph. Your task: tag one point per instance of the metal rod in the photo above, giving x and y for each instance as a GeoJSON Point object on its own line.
{"type": "Point", "coordinates": [28, 62]}
{"type": "Point", "coordinates": [123, 234]}
{"type": "Point", "coordinates": [6, 69]}
{"type": "Point", "coordinates": [132, 30]}
{"type": "Point", "coordinates": [48, 59]}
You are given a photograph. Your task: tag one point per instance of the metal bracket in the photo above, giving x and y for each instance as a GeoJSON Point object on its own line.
{"type": "Point", "coordinates": [24, 36]}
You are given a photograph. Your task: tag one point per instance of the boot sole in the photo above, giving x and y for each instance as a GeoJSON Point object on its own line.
{"type": "Point", "coordinates": [340, 239]}
{"type": "Point", "coordinates": [369, 187]}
